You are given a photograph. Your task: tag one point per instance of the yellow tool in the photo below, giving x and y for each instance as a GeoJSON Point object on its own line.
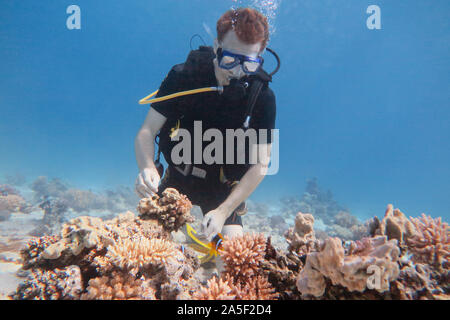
{"type": "Point", "coordinates": [177, 94]}
{"type": "Point", "coordinates": [211, 250]}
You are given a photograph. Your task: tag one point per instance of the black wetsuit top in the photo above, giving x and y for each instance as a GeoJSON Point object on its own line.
{"type": "Point", "coordinates": [214, 111]}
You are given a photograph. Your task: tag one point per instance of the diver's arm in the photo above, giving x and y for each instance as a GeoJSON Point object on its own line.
{"type": "Point", "coordinates": [148, 179]}
{"type": "Point", "coordinates": [249, 182]}
{"type": "Point", "coordinates": [214, 220]}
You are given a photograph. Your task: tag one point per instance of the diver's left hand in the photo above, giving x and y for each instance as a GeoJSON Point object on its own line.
{"type": "Point", "coordinates": [213, 222]}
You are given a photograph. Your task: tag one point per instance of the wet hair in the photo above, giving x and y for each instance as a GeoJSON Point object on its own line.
{"type": "Point", "coordinates": [250, 26]}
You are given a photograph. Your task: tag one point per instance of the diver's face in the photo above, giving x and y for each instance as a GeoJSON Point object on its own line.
{"type": "Point", "coordinates": [232, 43]}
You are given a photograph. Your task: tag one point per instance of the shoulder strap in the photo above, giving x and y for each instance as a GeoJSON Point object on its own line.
{"type": "Point", "coordinates": [259, 80]}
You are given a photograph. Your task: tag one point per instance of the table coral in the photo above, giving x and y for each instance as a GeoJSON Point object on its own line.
{"type": "Point", "coordinates": [172, 210]}
{"type": "Point", "coordinates": [431, 242]}
{"type": "Point", "coordinates": [351, 271]}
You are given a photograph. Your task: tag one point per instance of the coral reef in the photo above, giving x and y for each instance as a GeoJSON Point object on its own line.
{"type": "Point", "coordinates": [353, 270]}
{"type": "Point", "coordinates": [337, 220]}
{"type": "Point", "coordinates": [122, 258]}
{"type": "Point", "coordinates": [315, 201]}
{"type": "Point", "coordinates": [172, 210]}
{"type": "Point", "coordinates": [136, 257]}
{"type": "Point", "coordinates": [217, 289]}
{"type": "Point", "coordinates": [12, 202]}
{"type": "Point", "coordinates": [118, 286]}
{"type": "Point", "coordinates": [243, 255]}
{"type": "Point", "coordinates": [54, 216]}
{"type": "Point", "coordinates": [241, 280]}
{"type": "Point", "coordinates": [78, 200]}
{"type": "Point", "coordinates": [301, 238]}
{"type": "Point", "coordinates": [57, 284]}
{"type": "Point", "coordinates": [430, 243]}
{"type": "Point", "coordinates": [395, 225]}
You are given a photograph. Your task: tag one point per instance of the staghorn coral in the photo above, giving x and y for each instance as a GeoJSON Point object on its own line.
{"type": "Point", "coordinates": [58, 284]}
{"type": "Point", "coordinates": [119, 286]}
{"type": "Point", "coordinates": [172, 210]}
{"type": "Point", "coordinates": [431, 242]}
{"type": "Point", "coordinates": [217, 289]}
{"type": "Point", "coordinates": [350, 271]}
{"type": "Point", "coordinates": [301, 238]}
{"type": "Point", "coordinates": [256, 288]}
{"type": "Point", "coordinates": [242, 255]}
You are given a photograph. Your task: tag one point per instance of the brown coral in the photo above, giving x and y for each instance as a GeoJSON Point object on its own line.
{"type": "Point", "coordinates": [172, 210]}
{"type": "Point", "coordinates": [51, 285]}
{"type": "Point", "coordinates": [242, 255]}
{"type": "Point", "coordinates": [373, 255]}
{"type": "Point", "coordinates": [118, 286]}
{"type": "Point", "coordinates": [395, 225]}
{"type": "Point", "coordinates": [282, 271]}
{"type": "Point", "coordinates": [431, 242]}
{"type": "Point", "coordinates": [301, 238]}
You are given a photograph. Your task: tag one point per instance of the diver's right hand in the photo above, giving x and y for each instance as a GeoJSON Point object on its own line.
{"type": "Point", "coordinates": [147, 182]}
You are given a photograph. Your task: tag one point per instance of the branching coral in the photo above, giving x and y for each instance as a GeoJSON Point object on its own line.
{"type": "Point", "coordinates": [142, 253]}
{"type": "Point", "coordinates": [242, 255]}
{"type": "Point", "coordinates": [217, 289]}
{"type": "Point", "coordinates": [352, 271]}
{"type": "Point", "coordinates": [431, 242]}
{"type": "Point", "coordinates": [172, 210]}
{"type": "Point", "coordinates": [256, 288]}
{"type": "Point", "coordinates": [119, 286]}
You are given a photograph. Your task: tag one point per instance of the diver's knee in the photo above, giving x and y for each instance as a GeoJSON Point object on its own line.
{"type": "Point", "coordinates": [232, 231]}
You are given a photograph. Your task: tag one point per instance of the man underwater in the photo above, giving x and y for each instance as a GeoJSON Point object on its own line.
{"type": "Point", "coordinates": [220, 188]}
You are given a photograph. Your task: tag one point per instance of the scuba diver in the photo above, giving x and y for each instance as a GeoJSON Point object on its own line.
{"type": "Point", "coordinates": [224, 87]}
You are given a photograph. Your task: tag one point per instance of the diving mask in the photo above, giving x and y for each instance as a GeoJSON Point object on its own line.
{"type": "Point", "coordinates": [229, 60]}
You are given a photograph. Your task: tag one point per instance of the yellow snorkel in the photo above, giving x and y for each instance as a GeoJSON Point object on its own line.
{"type": "Point", "coordinates": [211, 250]}
{"type": "Point", "coordinates": [177, 94]}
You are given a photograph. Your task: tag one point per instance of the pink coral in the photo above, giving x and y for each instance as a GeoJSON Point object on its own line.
{"type": "Point", "coordinates": [243, 255]}
{"type": "Point", "coordinates": [351, 271]}
{"type": "Point", "coordinates": [431, 242]}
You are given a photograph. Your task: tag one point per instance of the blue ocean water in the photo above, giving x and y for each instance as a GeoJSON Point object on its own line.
{"type": "Point", "coordinates": [365, 111]}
